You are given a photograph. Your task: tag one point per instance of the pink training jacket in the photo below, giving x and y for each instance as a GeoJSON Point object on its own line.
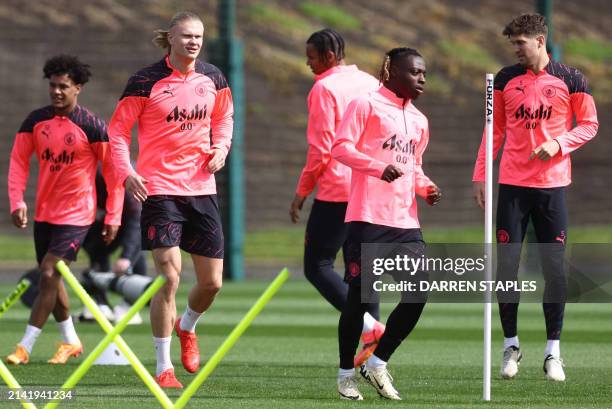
{"type": "Point", "coordinates": [327, 101]}
{"type": "Point", "coordinates": [181, 118]}
{"type": "Point", "coordinates": [532, 109]}
{"type": "Point", "coordinates": [378, 130]}
{"type": "Point", "coordinates": [68, 149]}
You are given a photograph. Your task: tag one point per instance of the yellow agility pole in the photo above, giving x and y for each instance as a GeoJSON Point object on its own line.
{"type": "Point", "coordinates": [12, 298]}
{"type": "Point", "coordinates": [12, 383]}
{"type": "Point", "coordinates": [113, 333]}
{"type": "Point", "coordinates": [108, 328]}
{"type": "Point", "coordinates": [5, 374]}
{"type": "Point", "coordinates": [231, 339]}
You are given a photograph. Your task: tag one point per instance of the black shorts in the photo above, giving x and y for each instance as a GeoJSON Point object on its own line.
{"type": "Point", "coordinates": [361, 233]}
{"type": "Point", "coordinates": [61, 240]}
{"type": "Point", "coordinates": [192, 223]}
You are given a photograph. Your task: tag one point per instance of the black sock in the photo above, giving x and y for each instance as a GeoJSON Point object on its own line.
{"type": "Point", "coordinates": [508, 313]}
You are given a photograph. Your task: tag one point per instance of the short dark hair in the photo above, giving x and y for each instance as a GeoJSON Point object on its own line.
{"type": "Point", "coordinates": [527, 24]}
{"type": "Point", "coordinates": [67, 64]}
{"type": "Point", "coordinates": [391, 58]}
{"type": "Point", "coordinates": [327, 40]}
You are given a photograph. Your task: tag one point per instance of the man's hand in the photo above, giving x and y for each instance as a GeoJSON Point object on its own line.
{"type": "Point", "coordinates": [479, 194]}
{"type": "Point", "coordinates": [109, 232]}
{"type": "Point", "coordinates": [296, 206]}
{"type": "Point", "coordinates": [216, 161]}
{"type": "Point", "coordinates": [434, 194]}
{"type": "Point", "coordinates": [135, 185]}
{"type": "Point", "coordinates": [391, 173]}
{"type": "Point", "coordinates": [121, 266]}
{"type": "Point", "coordinates": [546, 151]}
{"type": "Point", "coordinates": [20, 217]}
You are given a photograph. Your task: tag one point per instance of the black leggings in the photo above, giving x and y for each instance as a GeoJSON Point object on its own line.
{"type": "Point", "coordinates": [404, 316]}
{"type": "Point", "coordinates": [325, 235]}
{"type": "Point", "coordinates": [400, 324]}
{"type": "Point", "coordinates": [548, 212]}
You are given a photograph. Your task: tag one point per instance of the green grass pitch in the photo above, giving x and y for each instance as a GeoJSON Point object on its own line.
{"type": "Point", "coordinates": [288, 358]}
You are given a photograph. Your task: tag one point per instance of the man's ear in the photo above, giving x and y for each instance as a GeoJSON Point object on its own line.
{"type": "Point", "coordinates": [392, 70]}
{"type": "Point", "coordinates": [541, 39]}
{"type": "Point", "coordinates": [330, 58]}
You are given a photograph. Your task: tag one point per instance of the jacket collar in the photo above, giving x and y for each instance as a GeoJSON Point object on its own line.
{"type": "Point", "coordinates": [390, 95]}
{"type": "Point", "coordinates": [336, 69]}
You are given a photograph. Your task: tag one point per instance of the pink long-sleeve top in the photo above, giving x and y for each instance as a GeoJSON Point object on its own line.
{"type": "Point", "coordinates": [327, 102]}
{"type": "Point", "coordinates": [181, 119]}
{"type": "Point", "coordinates": [68, 149]}
{"type": "Point", "coordinates": [378, 130]}
{"type": "Point", "coordinates": [530, 109]}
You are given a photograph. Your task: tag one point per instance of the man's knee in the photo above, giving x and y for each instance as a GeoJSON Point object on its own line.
{"type": "Point", "coordinates": [172, 282]}
{"type": "Point", "coordinates": [316, 264]}
{"type": "Point", "coordinates": [209, 273]}
{"type": "Point", "coordinates": [212, 286]}
{"type": "Point", "coordinates": [48, 275]}
{"type": "Point", "coordinates": [311, 270]}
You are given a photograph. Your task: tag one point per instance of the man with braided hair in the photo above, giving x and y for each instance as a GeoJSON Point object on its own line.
{"type": "Point", "coordinates": [336, 84]}
{"type": "Point", "coordinates": [382, 205]}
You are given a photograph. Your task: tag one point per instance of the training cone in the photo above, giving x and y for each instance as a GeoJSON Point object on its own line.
{"type": "Point", "coordinates": [112, 356]}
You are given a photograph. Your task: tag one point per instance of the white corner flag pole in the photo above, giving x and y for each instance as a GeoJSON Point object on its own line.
{"type": "Point", "coordinates": [488, 235]}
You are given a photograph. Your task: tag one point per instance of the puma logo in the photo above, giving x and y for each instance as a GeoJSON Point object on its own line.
{"type": "Point", "coordinates": [561, 238]}
{"type": "Point", "coordinates": [522, 89]}
{"type": "Point", "coordinates": [168, 90]}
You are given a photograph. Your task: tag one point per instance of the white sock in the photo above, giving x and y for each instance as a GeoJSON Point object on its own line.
{"type": "Point", "coordinates": [346, 373]}
{"type": "Point", "coordinates": [68, 332]}
{"type": "Point", "coordinates": [29, 338]}
{"type": "Point", "coordinates": [162, 350]}
{"type": "Point", "coordinates": [190, 319]}
{"type": "Point", "coordinates": [375, 362]}
{"type": "Point", "coordinates": [368, 322]}
{"type": "Point", "coordinates": [508, 342]}
{"type": "Point", "coordinates": [553, 347]}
